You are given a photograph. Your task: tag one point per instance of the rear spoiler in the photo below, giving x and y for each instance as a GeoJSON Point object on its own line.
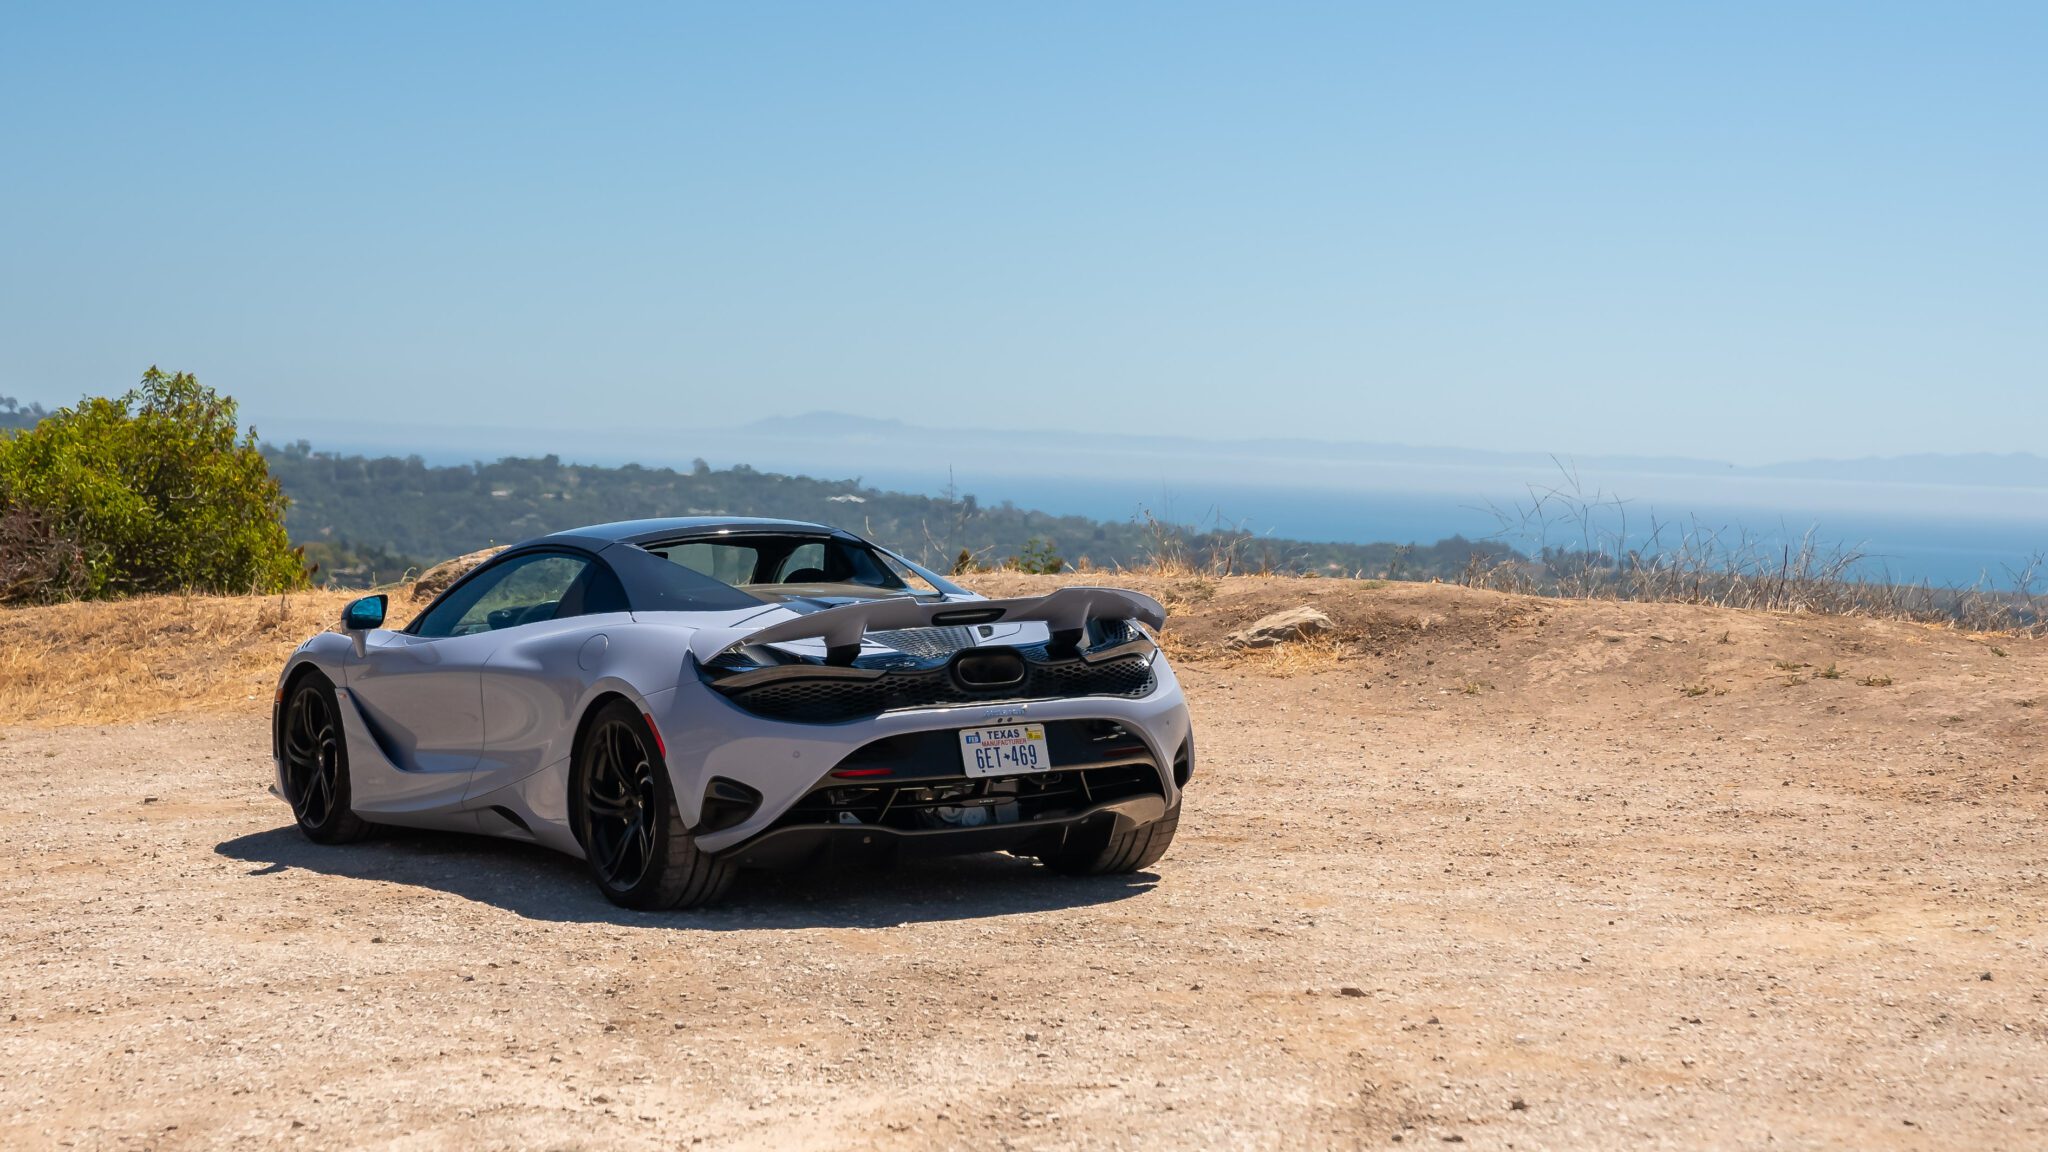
{"type": "Point", "coordinates": [1066, 611]}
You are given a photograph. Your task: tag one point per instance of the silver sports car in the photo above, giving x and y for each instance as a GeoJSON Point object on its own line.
{"type": "Point", "coordinates": [674, 700]}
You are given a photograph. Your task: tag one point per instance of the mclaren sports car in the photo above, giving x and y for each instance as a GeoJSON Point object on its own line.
{"type": "Point", "coordinates": [674, 701]}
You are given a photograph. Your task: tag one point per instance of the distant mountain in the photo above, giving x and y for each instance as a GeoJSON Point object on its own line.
{"type": "Point", "coordinates": [828, 424]}
{"type": "Point", "coordinates": [2009, 470]}
{"type": "Point", "coordinates": [1976, 470]}
{"type": "Point", "coordinates": [849, 443]}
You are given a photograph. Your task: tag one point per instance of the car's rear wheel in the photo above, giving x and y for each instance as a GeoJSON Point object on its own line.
{"type": "Point", "coordinates": [1100, 850]}
{"type": "Point", "coordinates": [316, 763]}
{"type": "Point", "coordinates": [626, 818]}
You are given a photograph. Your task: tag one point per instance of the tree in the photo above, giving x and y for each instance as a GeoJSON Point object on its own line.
{"type": "Point", "coordinates": [157, 491]}
{"type": "Point", "coordinates": [15, 414]}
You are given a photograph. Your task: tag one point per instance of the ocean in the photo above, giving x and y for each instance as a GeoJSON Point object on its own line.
{"type": "Point", "coordinates": [1960, 549]}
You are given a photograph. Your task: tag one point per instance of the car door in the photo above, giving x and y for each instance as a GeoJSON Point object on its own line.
{"type": "Point", "coordinates": [422, 689]}
{"type": "Point", "coordinates": [534, 680]}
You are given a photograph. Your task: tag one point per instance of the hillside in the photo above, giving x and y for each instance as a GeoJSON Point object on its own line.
{"type": "Point", "coordinates": [367, 519]}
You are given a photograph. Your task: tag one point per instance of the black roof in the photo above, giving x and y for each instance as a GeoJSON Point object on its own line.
{"type": "Point", "coordinates": [678, 527]}
{"type": "Point", "coordinates": [651, 584]}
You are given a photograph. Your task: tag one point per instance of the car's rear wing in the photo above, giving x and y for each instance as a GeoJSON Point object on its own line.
{"type": "Point", "coordinates": [1065, 612]}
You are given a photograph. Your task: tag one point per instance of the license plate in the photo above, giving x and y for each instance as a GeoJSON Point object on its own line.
{"type": "Point", "coordinates": [1005, 750]}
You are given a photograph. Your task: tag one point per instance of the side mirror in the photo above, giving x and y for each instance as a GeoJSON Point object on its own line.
{"type": "Point", "coordinates": [365, 614]}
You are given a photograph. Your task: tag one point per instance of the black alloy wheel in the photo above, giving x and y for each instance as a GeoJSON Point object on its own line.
{"type": "Point", "coordinates": [316, 763]}
{"type": "Point", "coordinates": [626, 818]}
{"type": "Point", "coordinates": [620, 805]}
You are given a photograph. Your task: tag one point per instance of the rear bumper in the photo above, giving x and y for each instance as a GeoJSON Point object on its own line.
{"type": "Point", "coordinates": [810, 844]}
{"type": "Point", "coordinates": [707, 736]}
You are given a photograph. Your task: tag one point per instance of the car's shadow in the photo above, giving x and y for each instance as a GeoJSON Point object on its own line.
{"type": "Point", "coordinates": [544, 885]}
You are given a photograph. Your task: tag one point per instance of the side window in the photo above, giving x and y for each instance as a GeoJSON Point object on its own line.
{"type": "Point", "coordinates": [520, 591]}
{"type": "Point", "coordinates": [805, 564]}
{"type": "Point", "coordinates": [865, 567]}
{"type": "Point", "coordinates": [918, 581]}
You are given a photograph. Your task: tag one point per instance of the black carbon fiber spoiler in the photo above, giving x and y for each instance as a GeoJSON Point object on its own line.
{"type": "Point", "coordinates": [1065, 611]}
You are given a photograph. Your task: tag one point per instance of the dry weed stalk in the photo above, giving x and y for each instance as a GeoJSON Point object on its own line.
{"type": "Point", "coordinates": [1691, 563]}
{"type": "Point", "coordinates": [1219, 549]}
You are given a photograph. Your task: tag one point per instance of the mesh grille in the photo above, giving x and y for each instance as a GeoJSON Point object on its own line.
{"type": "Point", "coordinates": [830, 701]}
{"type": "Point", "coordinates": [928, 643]}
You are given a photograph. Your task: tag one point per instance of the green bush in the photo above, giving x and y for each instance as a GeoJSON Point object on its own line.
{"type": "Point", "coordinates": [1039, 556]}
{"type": "Point", "coordinates": [154, 492]}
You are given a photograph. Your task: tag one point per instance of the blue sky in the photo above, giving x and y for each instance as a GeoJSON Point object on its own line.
{"type": "Point", "coordinates": [1744, 232]}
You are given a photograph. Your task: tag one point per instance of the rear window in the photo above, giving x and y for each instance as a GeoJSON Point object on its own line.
{"type": "Point", "coordinates": [764, 560]}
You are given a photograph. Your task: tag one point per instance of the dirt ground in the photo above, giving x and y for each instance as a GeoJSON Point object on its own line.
{"type": "Point", "coordinates": [1490, 871]}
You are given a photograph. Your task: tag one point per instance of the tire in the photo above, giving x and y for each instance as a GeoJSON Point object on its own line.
{"type": "Point", "coordinates": [624, 812]}
{"type": "Point", "coordinates": [1102, 851]}
{"type": "Point", "coordinates": [315, 754]}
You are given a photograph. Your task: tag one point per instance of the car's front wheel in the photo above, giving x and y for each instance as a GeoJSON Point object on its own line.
{"type": "Point", "coordinates": [316, 763]}
{"type": "Point", "coordinates": [625, 816]}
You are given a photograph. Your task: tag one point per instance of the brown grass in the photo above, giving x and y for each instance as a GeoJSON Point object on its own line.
{"type": "Point", "coordinates": [122, 660]}
{"type": "Point", "coordinates": [1298, 657]}
{"type": "Point", "coordinates": [130, 660]}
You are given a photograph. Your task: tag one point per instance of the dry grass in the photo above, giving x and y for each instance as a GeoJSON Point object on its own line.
{"type": "Point", "coordinates": [1590, 550]}
{"type": "Point", "coordinates": [1298, 657]}
{"type": "Point", "coordinates": [123, 661]}
{"type": "Point", "coordinates": [115, 661]}
{"type": "Point", "coordinates": [1176, 647]}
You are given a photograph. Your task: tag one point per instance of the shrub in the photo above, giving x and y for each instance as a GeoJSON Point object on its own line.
{"type": "Point", "coordinates": [37, 564]}
{"type": "Point", "coordinates": [1040, 557]}
{"type": "Point", "coordinates": [151, 492]}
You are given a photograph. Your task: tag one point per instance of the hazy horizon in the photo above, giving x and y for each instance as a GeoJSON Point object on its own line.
{"type": "Point", "coordinates": [1909, 531]}
{"type": "Point", "coordinates": [1912, 528]}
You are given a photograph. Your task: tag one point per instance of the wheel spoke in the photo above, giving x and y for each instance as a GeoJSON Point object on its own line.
{"type": "Point", "coordinates": [609, 807]}
{"type": "Point", "coordinates": [315, 786]}
{"type": "Point", "coordinates": [643, 845]}
{"type": "Point", "coordinates": [611, 786]}
{"type": "Point", "coordinates": [618, 854]}
{"type": "Point", "coordinates": [622, 755]}
{"type": "Point", "coordinates": [309, 717]}
{"type": "Point", "coordinates": [324, 781]}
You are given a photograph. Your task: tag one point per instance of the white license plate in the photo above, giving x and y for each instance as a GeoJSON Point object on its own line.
{"type": "Point", "coordinates": [1005, 750]}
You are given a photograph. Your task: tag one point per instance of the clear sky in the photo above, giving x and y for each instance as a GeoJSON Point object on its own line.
{"type": "Point", "coordinates": [1749, 232]}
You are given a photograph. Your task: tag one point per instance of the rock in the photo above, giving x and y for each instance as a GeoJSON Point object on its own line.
{"type": "Point", "coordinates": [1281, 627]}
{"type": "Point", "coordinates": [436, 580]}
{"type": "Point", "coordinates": [1349, 990]}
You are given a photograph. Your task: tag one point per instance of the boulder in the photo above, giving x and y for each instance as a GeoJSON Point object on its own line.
{"type": "Point", "coordinates": [436, 580]}
{"type": "Point", "coordinates": [1293, 624]}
